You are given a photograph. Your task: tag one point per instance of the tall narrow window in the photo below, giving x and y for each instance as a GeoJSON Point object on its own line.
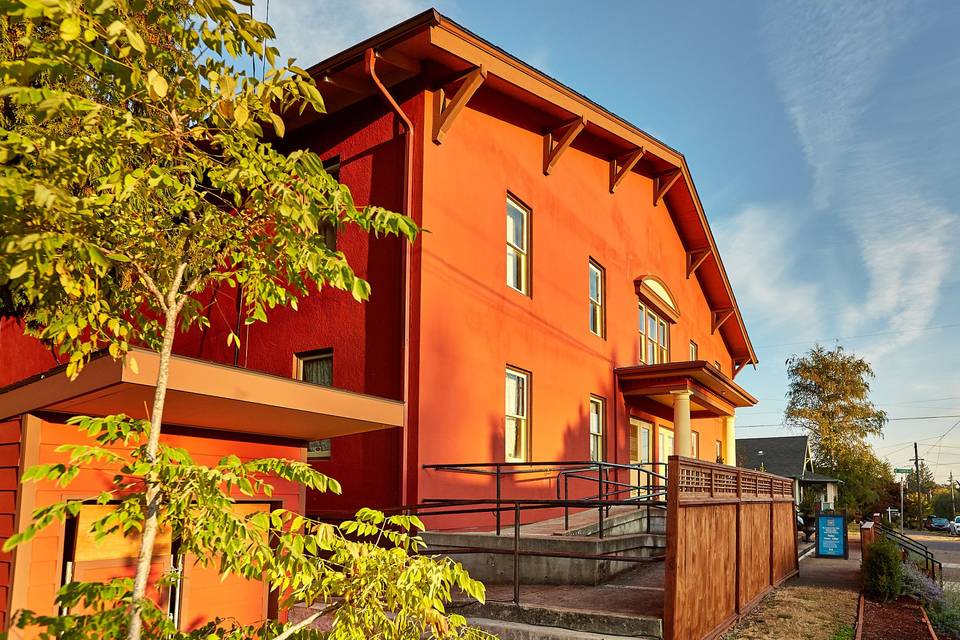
{"type": "Point", "coordinates": [596, 299]}
{"type": "Point", "coordinates": [695, 445]}
{"type": "Point", "coordinates": [718, 447]}
{"type": "Point", "coordinates": [654, 336]}
{"type": "Point", "coordinates": [316, 367]}
{"type": "Point", "coordinates": [597, 415]}
{"type": "Point", "coordinates": [694, 351]}
{"type": "Point", "coordinates": [518, 241]}
{"type": "Point", "coordinates": [517, 423]}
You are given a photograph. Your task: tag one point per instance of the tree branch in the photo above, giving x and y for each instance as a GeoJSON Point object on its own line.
{"type": "Point", "coordinates": [306, 621]}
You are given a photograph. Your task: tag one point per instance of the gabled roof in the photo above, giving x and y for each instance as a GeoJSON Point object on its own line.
{"type": "Point", "coordinates": [441, 51]}
{"type": "Point", "coordinates": [783, 456]}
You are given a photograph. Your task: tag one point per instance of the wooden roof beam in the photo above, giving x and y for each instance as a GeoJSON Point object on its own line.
{"type": "Point", "coordinates": [739, 364]}
{"type": "Point", "coordinates": [662, 183]}
{"type": "Point", "coordinates": [695, 258]}
{"type": "Point", "coordinates": [620, 166]}
{"type": "Point", "coordinates": [349, 84]}
{"type": "Point", "coordinates": [445, 112]}
{"type": "Point", "coordinates": [719, 317]}
{"type": "Point", "coordinates": [399, 60]}
{"type": "Point", "coordinates": [564, 136]}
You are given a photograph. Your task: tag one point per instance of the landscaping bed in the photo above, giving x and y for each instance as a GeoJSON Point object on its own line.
{"type": "Point", "coordinates": [901, 619]}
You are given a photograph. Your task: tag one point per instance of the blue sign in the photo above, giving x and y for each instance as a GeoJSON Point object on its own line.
{"type": "Point", "coordinates": [831, 537]}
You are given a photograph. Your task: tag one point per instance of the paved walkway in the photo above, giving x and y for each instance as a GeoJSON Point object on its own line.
{"type": "Point", "coordinates": [831, 572]}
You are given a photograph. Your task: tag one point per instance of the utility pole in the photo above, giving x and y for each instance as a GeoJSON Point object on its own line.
{"type": "Point", "coordinates": [916, 466]}
{"type": "Point", "coordinates": [953, 502]}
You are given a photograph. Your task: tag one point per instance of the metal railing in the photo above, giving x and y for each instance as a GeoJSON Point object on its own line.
{"type": "Point", "coordinates": [516, 507]}
{"type": "Point", "coordinates": [932, 566]}
{"type": "Point", "coordinates": [609, 492]}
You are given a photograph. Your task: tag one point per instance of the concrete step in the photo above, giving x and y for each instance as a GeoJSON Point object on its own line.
{"type": "Point", "coordinates": [526, 619]}
{"type": "Point", "coordinates": [625, 521]}
{"type": "Point", "coordinates": [521, 631]}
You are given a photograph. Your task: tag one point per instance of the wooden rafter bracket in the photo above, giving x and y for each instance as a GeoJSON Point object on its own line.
{"type": "Point", "coordinates": [622, 165]}
{"type": "Point", "coordinates": [719, 317]}
{"type": "Point", "coordinates": [662, 183]}
{"type": "Point", "coordinates": [695, 258]}
{"type": "Point", "coordinates": [739, 364]}
{"type": "Point", "coordinates": [559, 140]}
{"type": "Point", "coordinates": [445, 111]}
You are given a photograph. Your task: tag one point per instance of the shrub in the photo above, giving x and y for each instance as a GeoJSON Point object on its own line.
{"type": "Point", "coordinates": [883, 570]}
{"type": "Point", "coordinates": [945, 615]}
{"type": "Point", "coordinates": [918, 584]}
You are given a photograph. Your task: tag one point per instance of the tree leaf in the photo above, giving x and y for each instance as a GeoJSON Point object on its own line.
{"type": "Point", "coordinates": [70, 28]}
{"type": "Point", "coordinates": [157, 84]}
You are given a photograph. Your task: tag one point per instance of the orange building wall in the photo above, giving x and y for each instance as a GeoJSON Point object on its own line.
{"type": "Point", "coordinates": [39, 564]}
{"type": "Point", "coordinates": [473, 325]}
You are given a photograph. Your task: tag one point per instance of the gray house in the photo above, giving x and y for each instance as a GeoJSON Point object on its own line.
{"type": "Point", "coordinates": [788, 456]}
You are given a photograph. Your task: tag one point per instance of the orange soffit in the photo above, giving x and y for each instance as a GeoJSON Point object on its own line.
{"type": "Point", "coordinates": [207, 395]}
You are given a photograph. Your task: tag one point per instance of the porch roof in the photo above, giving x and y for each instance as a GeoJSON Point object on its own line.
{"type": "Point", "coordinates": [713, 394]}
{"type": "Point", "coordinates": [203, 394]}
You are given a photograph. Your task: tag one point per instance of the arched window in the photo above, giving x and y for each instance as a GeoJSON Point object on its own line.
{"type": "Point", "coordinates": [656, 311]}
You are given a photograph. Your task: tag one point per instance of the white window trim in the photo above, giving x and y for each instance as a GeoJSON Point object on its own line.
{"type": "Point", "coordinates": [596, 401]}
{"type": "Point", "coordinates": [522, 420]}
{"type": "Point", "coordinates": [524, 251]}
{"type": "Point", "coordinates": [597, 305]}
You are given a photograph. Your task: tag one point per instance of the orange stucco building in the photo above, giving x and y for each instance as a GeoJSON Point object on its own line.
{"type": "Point", "coordinates": [566, 302]}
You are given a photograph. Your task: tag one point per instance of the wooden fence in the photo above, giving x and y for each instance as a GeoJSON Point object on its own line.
{"type": "Point", "coordinates": [731, 537]}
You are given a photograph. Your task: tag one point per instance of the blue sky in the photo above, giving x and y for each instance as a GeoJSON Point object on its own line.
{"type": "Point", "coordinates": [824, 139]}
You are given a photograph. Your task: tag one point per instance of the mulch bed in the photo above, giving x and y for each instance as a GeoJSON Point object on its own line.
{"type": "Point", "coordinates": [899, 620]}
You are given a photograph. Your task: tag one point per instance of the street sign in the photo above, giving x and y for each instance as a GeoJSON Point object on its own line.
{"type": "Point", "coordinates": [907, 470]}
{"type": "Point", "coordinates": [831, 536]}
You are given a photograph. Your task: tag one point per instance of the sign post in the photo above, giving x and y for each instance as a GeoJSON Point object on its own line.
{"type": "Point", "coordinates": [903, 474]}
{"type": "Point", "coordinates": [832, 536]}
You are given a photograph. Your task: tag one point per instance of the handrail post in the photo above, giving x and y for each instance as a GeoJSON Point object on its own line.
{"type": "Point", "coordinates": [516, 554]}
{"type": "Point", "coordinates": [600, 498]}
{"type": "Point", "coordinates": [566, 505]}
{"type": "Point", "coordinates": [498, 498]}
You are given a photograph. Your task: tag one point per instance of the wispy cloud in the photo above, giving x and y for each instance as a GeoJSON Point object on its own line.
{"type": "Point", "coordinates": [757, 245]}
{"type": "Point", "coordinates": [828, 60]}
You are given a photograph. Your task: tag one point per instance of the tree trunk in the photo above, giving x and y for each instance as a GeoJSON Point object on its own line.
{"type": "Point", "coordinates": [150, 526]}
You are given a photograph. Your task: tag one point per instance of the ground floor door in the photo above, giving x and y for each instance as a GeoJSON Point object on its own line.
{"type": "Point", "coordinates": [664, 448]}
{"type": "Point", "coordinates": [639, 451]}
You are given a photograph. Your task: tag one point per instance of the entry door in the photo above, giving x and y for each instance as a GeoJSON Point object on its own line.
{"type": "Point", "coordinates": [639, 449]}
{"type": "Point", "coordinates": [665, 448]}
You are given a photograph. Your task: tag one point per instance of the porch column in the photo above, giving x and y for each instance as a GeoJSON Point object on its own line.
{"type": "Point", "coordinates": [681, 422]}
{"type": "Point", "coordinates": [730, 454]}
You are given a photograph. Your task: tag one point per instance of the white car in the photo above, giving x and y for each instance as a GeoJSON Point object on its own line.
{"type": "Point", "coordinates": [955, 526]}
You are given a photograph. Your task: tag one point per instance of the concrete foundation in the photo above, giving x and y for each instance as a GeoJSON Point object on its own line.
{"type": "Point", "coordinates": [497, 568]}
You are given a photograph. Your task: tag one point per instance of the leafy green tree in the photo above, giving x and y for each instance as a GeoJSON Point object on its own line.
{"type": "Point", "coordinates": [829, 398]}
{"type": "Point", "coordinates": [137, 171]}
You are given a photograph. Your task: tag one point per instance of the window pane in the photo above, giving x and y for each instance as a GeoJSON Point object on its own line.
{"type": "Point", "coordinates": [594, 283]}
{"type": "Point", "coordinates": [595, 443]}
{"type": "Point", "coordinates": [513, 435]}
{"type": "Point", "coordinates": [651, 325]}
{"type": "Point", "coordinates": [693, 351]}
{"type": "Point", "coordinates": [651, 352]}
{"type": "Point", "coordinates": [515, 269]}
{"type": "Point", "coordinates": [596, 416]}
{"type": "Point", "coordinates": [317, 370]}
{"type": "Point", "coordinates": [640, 315]}
{"type": "Point", "coordinates": [663, 333]}
{"type": "Point", "coordinates": [516, 226]}
{"type": "Point", "coordinates": [645, 445]}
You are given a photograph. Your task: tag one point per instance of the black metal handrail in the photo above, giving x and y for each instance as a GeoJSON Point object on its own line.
{"type": "Point", "coordinates": [932, 566]}
{"type": "Point", "coordinates": [651, 494]}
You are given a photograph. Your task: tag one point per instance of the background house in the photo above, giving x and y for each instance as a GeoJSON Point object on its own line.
{"type": "Point", "coordinates": [788, 456]}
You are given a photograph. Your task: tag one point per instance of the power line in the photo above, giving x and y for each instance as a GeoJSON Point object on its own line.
{"type": "Point", "coordinates": [780, 424]}
{"type": "Point", "coordinates": [862, 335]}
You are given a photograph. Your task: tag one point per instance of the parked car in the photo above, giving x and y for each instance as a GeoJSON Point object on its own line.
{"type": "Point", "coordinates": [955, 526]}
{"type": "Point", "coordinates": [933, 523]}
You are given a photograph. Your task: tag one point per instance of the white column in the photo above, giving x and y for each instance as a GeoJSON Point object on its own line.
{"type": "Point", "coordinates": [730, 436]}
{"type": "Point", "coordinates": [681, 422]}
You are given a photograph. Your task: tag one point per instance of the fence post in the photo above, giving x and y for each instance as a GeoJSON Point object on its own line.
{"type": "Point", "coordinates": [516, 554]}
{"type": "Point", "coordinates": [737, 563]}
